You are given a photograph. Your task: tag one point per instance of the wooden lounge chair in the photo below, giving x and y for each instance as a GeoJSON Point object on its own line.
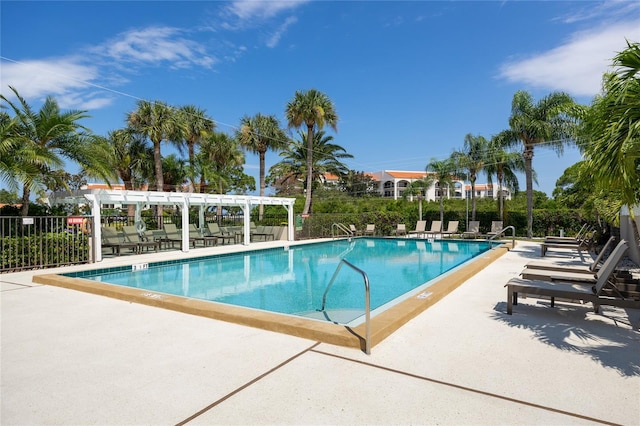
{"type": "Point", "coordinates": [571, 266]}
{"type": "Point", "coordinates": [452, 228]}
{"type": "Point", "coordinates": [436, 228]}
{"type": "Point", "coordinates": [401, 229]}
{"type": "Point", "coordinates": [370, 230]}
{"type": "Point", "coordinates": [473, 231]}
{"type": "Point", "coordinates": [130, 235]}
{"type": "Point", "coordinates": [421, 227]}
{"type": "Point", "coordinates": [585, 275]}
{"type": "Point", "coordinates": [111, 239]}
{"type": "Point", "coordinates": [595, 294]}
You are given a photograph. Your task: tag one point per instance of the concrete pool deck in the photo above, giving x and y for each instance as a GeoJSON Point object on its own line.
{"type": "Point", "coordinates": [69, 357]}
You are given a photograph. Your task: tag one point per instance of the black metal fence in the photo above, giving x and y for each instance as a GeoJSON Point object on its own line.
{"type": "Point", "coordinates": [39, 242]}
{"type": "Point", "coordinates": [49, 241]}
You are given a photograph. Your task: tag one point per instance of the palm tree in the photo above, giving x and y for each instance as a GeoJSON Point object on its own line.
{"type": "Point", "coordinates": [313, 109]}
{"type": "Point", "coordinates": [220, 162]}
{"type": "Point", "coordinates": [418, 188]}
{"type": "Point", "coordinates": [41, 141]}
{"type": "Point", "coordinates": [174, 172]}
{"type": "Point", "coordinates": [612, 141]}
{"type": "Point", "coordinates": [503, 164]}
{"type": "Point", "coordinates": [545, 123]}
{"type": "Point", "coordinates": [130, 157]}
{"type": "Point", "coordinates": [471, 159]}
{"type": "Point", "coordinates": [196, 125]}
{"type": "Point", "coordinates": [326, 159]}
{"type": "Point", "coordinates": [158, 122]}
{"type": "Point", "coordinates": [443, 175]}
{"type": "Point", "coordinates": [258, 134]}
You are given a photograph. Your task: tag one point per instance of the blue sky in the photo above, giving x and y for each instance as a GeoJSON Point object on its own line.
{"type": "Point", "coordinates": [409, 79]}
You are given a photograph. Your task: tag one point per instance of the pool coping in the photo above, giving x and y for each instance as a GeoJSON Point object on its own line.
{"type": "Point", "coordinates": [382, 325]}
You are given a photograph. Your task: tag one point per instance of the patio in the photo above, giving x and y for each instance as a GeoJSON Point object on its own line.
{"type": "Point", "coordinates": [75, 358]}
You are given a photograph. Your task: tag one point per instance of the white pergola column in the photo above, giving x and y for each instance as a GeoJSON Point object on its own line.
{"type": "Point", "coordinates": [185, 225]}
{"type": "Point", "coordinates": [290, 222]}
{"type": "Point", "coordinates": [246, 225]}
{"type": "Point", "coordinates": [97, 227]}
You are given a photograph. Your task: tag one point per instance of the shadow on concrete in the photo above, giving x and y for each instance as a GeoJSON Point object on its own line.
{"type": "Point", "coordinates": [605, 338]}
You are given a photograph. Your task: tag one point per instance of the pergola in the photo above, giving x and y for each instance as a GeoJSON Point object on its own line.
{"type": "Point", "coordinates": [97, 197]}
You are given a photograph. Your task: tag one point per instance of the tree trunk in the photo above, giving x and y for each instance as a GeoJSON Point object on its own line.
{"type": "Point", "coordinates": [157, 160]}
{"type": "Point", "coordinates": [307, 199]}
{"type": "Point", "coordinates": [473, 198]}
{"type": "Point", "coordinates": [262, 185]}
{"type": "Point", "coordinates": [501, 199]}
{"type": "Point", "coordinates": [26, 193]}
{"type": "Point", "coordinates": [528, 160]}
{"type": "Point", "coordinates": [192, 171]}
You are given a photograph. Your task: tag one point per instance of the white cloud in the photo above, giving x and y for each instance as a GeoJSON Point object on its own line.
{"type": "Point", "coordinates": [156, 45]}
{"type": "Point", "coordinates": [248, 10]}
{"type": "Point", "coordinates": [576, 66]}
{"type": "Point", "coordinates": [65, 79]}
{"type": "Point", "coordinates": [275, 37]}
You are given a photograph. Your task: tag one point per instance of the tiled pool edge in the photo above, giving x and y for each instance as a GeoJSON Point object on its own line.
{"type": "Point", "coordinates": [382, 325]}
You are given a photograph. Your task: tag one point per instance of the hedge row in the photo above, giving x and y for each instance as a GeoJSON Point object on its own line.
{"type": "Point", "coordinates": [544, 222]}
{"type": "Point", "coordinates": [39, 250]}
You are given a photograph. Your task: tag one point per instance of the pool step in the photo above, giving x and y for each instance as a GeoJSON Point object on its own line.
{"type": "Point", "coordinates": [340, 316]}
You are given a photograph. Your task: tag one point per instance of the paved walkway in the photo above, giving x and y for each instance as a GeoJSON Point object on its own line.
{"type": "Point", "coordinates": [74, 358]}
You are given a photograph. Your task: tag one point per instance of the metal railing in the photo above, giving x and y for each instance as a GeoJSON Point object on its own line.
{"type": "Point", "coordinates": [340, 227]}
{"type": "Point", "coordinates": [43, 241]}
{"type": "Point", "coordinates": [502, 231]}
{"type": "Point", "coordinates": [367, 300]}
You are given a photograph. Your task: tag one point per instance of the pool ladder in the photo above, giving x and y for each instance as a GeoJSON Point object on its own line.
{"type": "Point", "coordinates": [339, 229]}
{"type": "Point", "coordinates": [513, 236]}
{"type": "Point", "coordinates": [367, 300]}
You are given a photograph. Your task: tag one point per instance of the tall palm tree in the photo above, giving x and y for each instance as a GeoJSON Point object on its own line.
{"type": "Point", "coordinates": [443, 175]}
{"type": "Point", "coordinates": [326, 159]}
{"type": "Point", "coordinates": [312, 109]}
{"type": "Point", "coordinates": [545, 123]}
{"type": "Point", "coordinates": [258, 134]}
{"type": "Point", "coordinates": [196, 125]}
{"type": "Point", "coordinates": [504, 164]}
{"type": "Point", "coordinates": [471, 159]}
{"type": "Point", "coordinates": [611, 134]}
{"type": "Point", "coordinates": [158, 122]}
{"type": "Point", "coordinates": [42, 140]}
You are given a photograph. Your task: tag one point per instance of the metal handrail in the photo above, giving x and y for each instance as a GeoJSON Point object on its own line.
{"type": "Point", "coordinates": [513, 236]}
{"type": "Point", "coordinates": [367, 301]}
{"type": "Point", "coordinates": [342, 227]}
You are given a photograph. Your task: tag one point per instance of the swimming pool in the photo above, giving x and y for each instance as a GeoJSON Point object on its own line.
{"type": "Point", "coordinates": [270, 282]}
{"type": "Point", "coordinates": [293, 280]}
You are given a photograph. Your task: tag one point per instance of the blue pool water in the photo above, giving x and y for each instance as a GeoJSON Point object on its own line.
{"type": "Point", "coordinates": [293, 280]}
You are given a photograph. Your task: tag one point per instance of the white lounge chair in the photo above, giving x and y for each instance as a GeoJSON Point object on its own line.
{"type": "Point", "coordinates": [452, 228]}
{"type": "Point", "coordinates": [473, 231]}
{"type": "Point", "coordinates": [421, 226]}
{"type": "Point", "coordinates": [401, 229]}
